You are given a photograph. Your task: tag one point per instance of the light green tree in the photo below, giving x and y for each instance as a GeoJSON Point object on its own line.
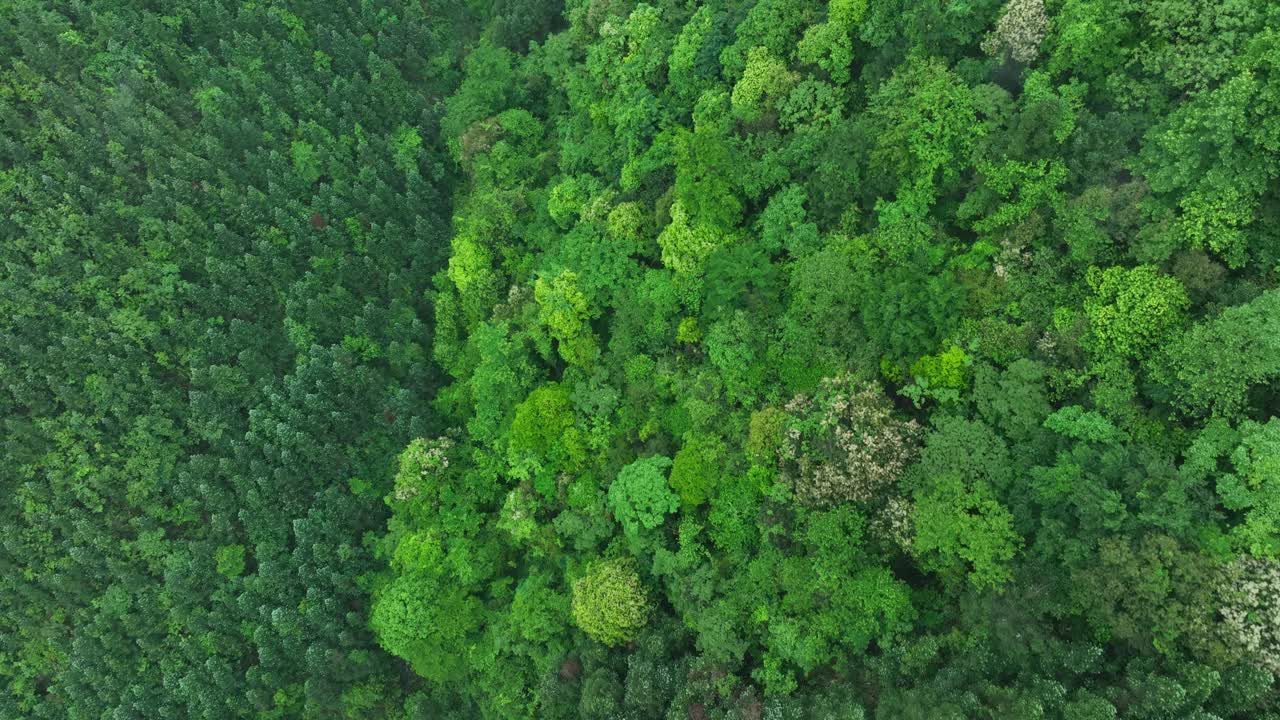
{"type": "Point", "coordinates": [609, 602]}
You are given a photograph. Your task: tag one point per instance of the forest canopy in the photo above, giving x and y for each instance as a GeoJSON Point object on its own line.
{"type": "Point", "coordinates": [601, 359]}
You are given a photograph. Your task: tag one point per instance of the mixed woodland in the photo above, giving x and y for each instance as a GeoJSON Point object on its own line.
{"type": "Point", "coordinates": [617, 360]}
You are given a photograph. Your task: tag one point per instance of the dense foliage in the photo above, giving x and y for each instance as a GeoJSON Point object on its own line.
{"type": "Point", "coordinates": [613, 359]}
{"type": "Point", "coordinates": [218, 220]}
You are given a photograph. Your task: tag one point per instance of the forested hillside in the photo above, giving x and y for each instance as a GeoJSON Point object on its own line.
{"type": "Point", "coordinates": [218, 223]}
{"type": "Point", "coordinates": [731, 360]}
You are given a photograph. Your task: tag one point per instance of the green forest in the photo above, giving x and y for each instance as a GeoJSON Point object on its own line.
{"type": "Point", "coordinates": [631, 360]}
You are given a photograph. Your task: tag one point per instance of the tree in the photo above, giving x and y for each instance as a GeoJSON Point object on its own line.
{"type": "Point", "coordinates": [829, 45]}
{"type": "Point", "coordinates": [428, 624]}
{"type": "Point", "coordinates": [1134, 310]}
{"type": "Point", "coordinates": [1249, 609]}
{"type": "Point", "coordinates": [544, 439]}
{"type": "Point", "coordinates": [1211, 367]}
{"type": "Point", "coordinates": [697, 468]}
{"type": "Point", "coordinates": [959, 525]}
{"type": "Point", "coordinates": [844, 444]}
{"type": "Point", "coordinates": [1019, 31]}
{"type": "Point", "coordinates": [609, 603]}
{"type": "Point", "coordinates": [640, 497]}
{"type": "Point", "coordinates": [765, 81]}
{"type": "Point", "coordinates": [923, 124]}
{"type": "Point", "coordinates": [567, 314]}
{"type": "Point", "coordinates": [1253, 490]}
{"type": "Point", "coordinates": [1162, 610]}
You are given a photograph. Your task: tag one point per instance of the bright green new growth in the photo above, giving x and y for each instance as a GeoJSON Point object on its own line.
{"type": "Point", "coordinates": [230, 560]}
{"type": "Point", "coordinates": [609, 602]}
{"type": "Point", "coordinates": [765, 81]}
{"type": "Point", "coordinates": [948, 369]}
{"type": "Point", "coordinates": [1133, 310]}
{"type": "Point", "coordinates": [566, 312]}
{"type": "Point", "coordinates": [406, 144]}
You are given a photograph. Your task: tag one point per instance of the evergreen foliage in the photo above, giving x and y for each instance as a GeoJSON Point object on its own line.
{"type": "Point", "coordinates": [621, 359]}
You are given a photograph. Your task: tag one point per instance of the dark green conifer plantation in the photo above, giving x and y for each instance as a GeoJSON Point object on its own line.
{"type": "Point", "coordinates": [219, 220]}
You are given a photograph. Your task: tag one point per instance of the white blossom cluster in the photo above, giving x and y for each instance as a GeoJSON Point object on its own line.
{"type": "Point", "coordinates": [1251, 611]}
{"type": "Point", "coordinates": [420, 460]}
{"type": "Point", "coordinates": [1019, 30]}
{"type": "Point", "coordinates": [894, 523]}
{"type": "Point", "coordinates": [844, 443]}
